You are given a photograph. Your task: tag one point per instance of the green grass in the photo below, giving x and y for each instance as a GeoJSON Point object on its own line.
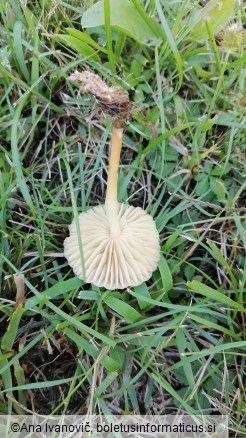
{"type": "Point", "coordinates": [177, 342]}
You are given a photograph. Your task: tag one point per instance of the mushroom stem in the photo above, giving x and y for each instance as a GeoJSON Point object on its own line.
{"type": "Point", "coordinates": [111, 202]}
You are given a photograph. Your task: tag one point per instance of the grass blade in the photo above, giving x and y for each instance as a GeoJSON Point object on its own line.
{"type": "Point", "coordinates": [171, 42]}
{"type": "Point", "coordinates": [108, 36]}
{"type": "Point", "coordinates": [214, 294]}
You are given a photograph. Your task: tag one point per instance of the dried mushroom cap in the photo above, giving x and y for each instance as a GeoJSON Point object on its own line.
{"type": "Point", "coordinates": [127, 259]}
{"type": "Point", "coordinates": [113, 99]}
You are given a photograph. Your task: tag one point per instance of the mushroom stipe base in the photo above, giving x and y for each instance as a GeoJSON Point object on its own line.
{"type": "Point", "coordinates": [114, 262]}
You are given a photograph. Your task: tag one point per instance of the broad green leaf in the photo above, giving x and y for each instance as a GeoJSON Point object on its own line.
{"type": "Point", "coordinates": [123, 309]}
{"type": "Point", "coordinates": [217, 13]}
{"type": "Point", "coordinates": [152, 23]}
{"type": "Point", "coordinates": [20, 379]}
{"type": "Point", "coordinates": [201, 73]}
{"type": "Point", "coordinates": [6, 378]}
{"type": "Point", "coordinates": [84, 38]}
{"type": "Point", "coordinates": [89, 295]}
{"type": "Point", "coordinates": [110, 364]}
{"type": "Point", "coordinates": [208, 292]}
{"type": "Point", "coordinates": [79, 46]}
{"type": "Point", "coordinates": [5, 356]}
{"type": "Point", "coordinates": [142, 291]}
{"type": "Point", "coordinates": [123, 16]}
{"type": "Point", "coordinates": [167, 281]}
{"type": "Point", "coordinates": [170, 241]}
{"type": "Point", "coordinates": [18, 48]}
{"type": "Point", "coordinates": [10, 335]}
{"type": "Point", "coordinates": [218, 188]}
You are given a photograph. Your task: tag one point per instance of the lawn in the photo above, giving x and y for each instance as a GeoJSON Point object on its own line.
{"type": "Point", "coordinates": [176, 343]}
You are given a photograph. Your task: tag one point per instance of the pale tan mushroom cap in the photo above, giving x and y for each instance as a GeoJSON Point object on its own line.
{"type": "Point", "coordinates": [114, 262]}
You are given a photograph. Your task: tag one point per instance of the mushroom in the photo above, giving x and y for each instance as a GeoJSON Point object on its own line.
{"type": "Point", "coordinates": [120, 243]}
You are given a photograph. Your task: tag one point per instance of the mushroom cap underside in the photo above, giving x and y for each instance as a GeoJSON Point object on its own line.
{"type": "Point", "coordinates": [114, 262]}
